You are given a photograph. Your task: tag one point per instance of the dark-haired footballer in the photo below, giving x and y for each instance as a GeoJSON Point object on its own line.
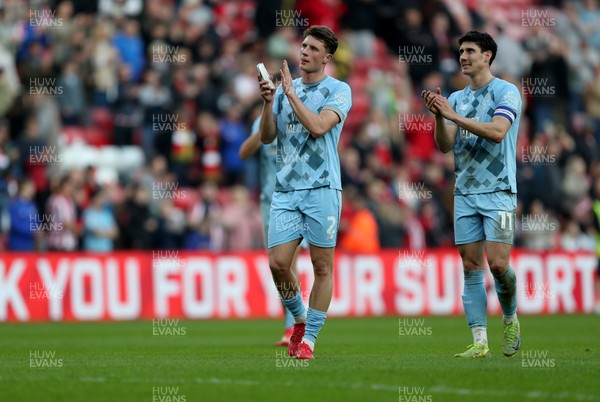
{"type": "Point", "coordinates": [306, 116]}
{"type": "Point", "coordinates": [480, 124]}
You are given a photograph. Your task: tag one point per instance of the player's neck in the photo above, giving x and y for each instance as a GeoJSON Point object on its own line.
{"type": "Point", "coordinates": [311, 78]}
{"type": "Point", "coordinates": [481, 80]}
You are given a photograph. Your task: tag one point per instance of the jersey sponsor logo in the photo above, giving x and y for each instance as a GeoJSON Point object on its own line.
{"type": "Point", "coordinates": [294, 128]}
{"type": "Point", "coordinates": [466, 135]}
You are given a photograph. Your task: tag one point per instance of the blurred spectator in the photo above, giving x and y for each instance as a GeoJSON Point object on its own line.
{"type": "Point", "coordinates": [415, 40]}
{"type": "Point", "coordinates": [8, 168]}
{"type": "Point", "coordinates": [155, 97]}
{"type": "Point", "coordinates": [361, 234]}
{"type": "Point", "coordinates": [573, 239]}
{"type": "Point", "coordinates": [547, 84]}
{"type": "Point", "coordinates": [172, 226]}
{"type": "Point", "coordinates": [361, 21]}
{"type": "Point", "coordinates": [575, 184]}
{"type": "Point", "coordinates": [511, 59]}
{"type": "Point", "coordinates": [23, 212]}
{"type": "Point", "coordinates": [72, 101]}
{"type": "Point", "coordinates": [589, 13]}
{"type": "Point", "coordinates": [540, 228]}
{"type": "Point", "coordinates": [7, 92]}
{"type": "Point", "coordinates": [104, 66]}
{"type": "Point", "coordinates": [120, 8]}
{"type": "Point", "coordinates": [241, 222]}
{"type": "Point", "coordinates": [210, 160]}
{"type": "Point", "coordinates": [99, 226]}
{"type": "Point", "coordinates": [62, 217]}
{"type": "Point", "coordinates": [233, 134]}
{"type": "Point", "coordinates": [34, 154]}
{"type": "Point", "coordinates": [61, 38]}
{"type": "Point", "coordinates": [130, 46]}
{"type": "Point", "coordinates": [592, 101]}
{"type": "Point", "coordinates": [126, 107]}
{"type": "Point", "coordinates": [136, 225]}
{"type": "Point", "coordinates": [205, 221]}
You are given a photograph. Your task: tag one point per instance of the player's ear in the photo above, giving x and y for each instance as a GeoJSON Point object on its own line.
{"type": "Point", "coordinates": [328, 58]}
{"type": "Point", "coordinates": [488, 55]}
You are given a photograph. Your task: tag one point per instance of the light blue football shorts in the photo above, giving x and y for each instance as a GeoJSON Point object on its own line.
{"type": "Point", "coordinates": [488, 216]}
{"type": "Point", "coordinates": [265, 211]}
{"type": "Point", "coordinates": [312, 214]}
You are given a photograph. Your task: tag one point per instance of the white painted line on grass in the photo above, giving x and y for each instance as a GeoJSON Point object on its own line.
{"type": "Point", "coordinates": [439, 389]}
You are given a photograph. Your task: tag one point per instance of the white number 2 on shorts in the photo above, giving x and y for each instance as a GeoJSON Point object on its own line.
{"type": "Point", "coordinates": [331, 227]}
{"type": "Point", "coordinates": [504, 217]}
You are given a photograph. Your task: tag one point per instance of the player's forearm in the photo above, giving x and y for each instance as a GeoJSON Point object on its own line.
{"type": "Point", "coordinates": [443, 139]}
{"type": "Point", "coordinates": [267, 128]}
{"type": "Point", "coordinates": [250, 146]}
{"type": "Point", "coordinates": [491, 131]}
{"type": "Point", "coordinates": [312, 122]}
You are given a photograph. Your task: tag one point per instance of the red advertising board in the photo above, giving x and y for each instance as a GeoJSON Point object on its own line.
{"type": "Point", "coordinates": [169, 284]}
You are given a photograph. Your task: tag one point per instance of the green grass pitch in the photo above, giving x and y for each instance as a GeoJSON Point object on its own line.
{"type": "Point", "coordinates": [359, 359]}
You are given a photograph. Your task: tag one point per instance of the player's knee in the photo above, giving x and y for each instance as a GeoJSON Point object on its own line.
{"type": "Point", "coordinates": [278, 264]}
{"type": "Point", "coordinates": [322, 267]}
{"type": "Point", "coordinates": [498, 266]}
{"type": "Point", "coordinates": [470, 265]}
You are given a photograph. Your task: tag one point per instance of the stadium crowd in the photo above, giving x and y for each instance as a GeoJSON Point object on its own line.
{"type": "Point", "coordinates": [177, 80]}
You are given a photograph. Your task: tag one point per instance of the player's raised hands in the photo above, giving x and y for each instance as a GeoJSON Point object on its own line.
{"type": "Point", "coordinates": [286, 78]}
{"type": "Point", "coordinates": [443, 106]}
{"type": "Point", "coordinates": [429, 99]}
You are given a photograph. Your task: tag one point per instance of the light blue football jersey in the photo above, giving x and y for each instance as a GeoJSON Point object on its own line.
{"type": "Point", "coordinates": [268, 153]}
{"type": "Point", "coordinates": [304, 162]}
{"type": "Point", "coordinates": [481, 165]}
